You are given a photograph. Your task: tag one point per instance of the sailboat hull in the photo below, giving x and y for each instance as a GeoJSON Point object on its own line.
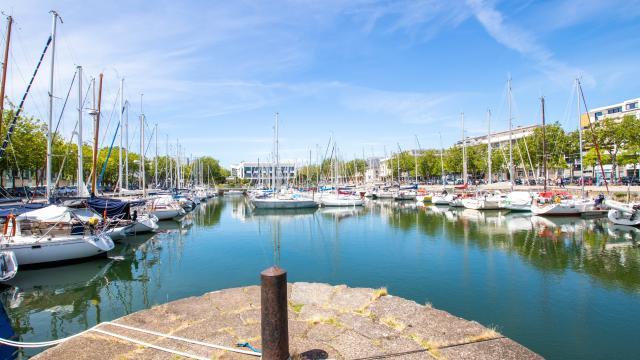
{"type": "Point", "coordinates": [59, 249]}
{"type": "Point", "coordinates": [283, 204]}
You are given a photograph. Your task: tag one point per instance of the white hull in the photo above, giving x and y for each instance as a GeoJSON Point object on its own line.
{"type": "Point", "coordinates": [456, 203]}
{"type": "Point", "coordinates": [31, 250]}
{"type": "Point", "coordinates": [283, 203]}
{"type": "Point", "coordinates": [481, 204]}
{"type": "Point", "coordinates": [144, 224]}
{"type": "Point", "coordinates": [517, 207]}
{"type": "Point", "coordinates": [441, 200]}
{"type": "Point", "coordinates": [405, 196]}
{"type": "Point", "coordinates": [168, 214]}
{"type": "Point", "coordinates": [559, 209]}
{"type": "Point", "coordinates": [342, 202]}
{"type": "Point", "coordinates": [384, 195]}
{"type": "Point", "coordinates": [623, 218]}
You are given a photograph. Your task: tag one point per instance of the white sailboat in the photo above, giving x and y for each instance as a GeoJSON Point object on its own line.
{"type": "Point", "coordinates": [483, 202]}
{"type": "Point", "coordinates": [517, 201]}
{"type": "Point", "coordinates": [281, 200]}
{"type": "Point", "coordinates": [53, 233]}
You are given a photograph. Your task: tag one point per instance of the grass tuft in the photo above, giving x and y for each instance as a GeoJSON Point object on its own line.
{"type": "Point", "coordinates": [393, 323]}
{"type": "Point", "coordinates": [378, 293]}
{"type": "Point", "coordinates": [487, 334]}
{"type": "Point", "coordinates": [296, 308]}
{"type": "Point", "coordinates": [325, 320]}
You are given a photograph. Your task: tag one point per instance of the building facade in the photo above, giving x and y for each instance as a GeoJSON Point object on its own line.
{"type": "Point", "coordinates": [614, 111]}
{"type": "Point", "coordinates": [261, 172]}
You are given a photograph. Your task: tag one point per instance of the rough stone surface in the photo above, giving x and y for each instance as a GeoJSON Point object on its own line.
{"type": "Point", "coordinates": [325, 321]}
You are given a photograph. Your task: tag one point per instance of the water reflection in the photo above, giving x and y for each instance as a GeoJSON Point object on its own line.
{"type": "Point", "coordinates": [484, 265]}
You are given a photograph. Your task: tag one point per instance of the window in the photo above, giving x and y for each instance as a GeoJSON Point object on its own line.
{"type": "Point", "coordinates": [632, 106]}
{"type": "Point", "coordinates": [598, 115]}
{"type": "Point", "coordinates": [614, 110]}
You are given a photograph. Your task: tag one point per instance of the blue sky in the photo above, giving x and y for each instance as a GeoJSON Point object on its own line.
{"type": "Point", "coordinates": [369, 73]}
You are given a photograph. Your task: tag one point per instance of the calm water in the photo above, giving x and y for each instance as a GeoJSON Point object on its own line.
{"type": "Point", "coordinates": [567, 288]}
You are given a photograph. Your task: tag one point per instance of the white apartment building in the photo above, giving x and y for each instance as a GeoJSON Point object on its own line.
{"type": "Point", "coordinates": [256, 172]}
{"type": "Point", "coordinates": [500, 139]}
{"type": "Point", "coordinates": [615, 111]}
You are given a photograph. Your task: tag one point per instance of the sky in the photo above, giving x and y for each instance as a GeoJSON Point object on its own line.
{"type": "Point", "coordinates": [371, 75]}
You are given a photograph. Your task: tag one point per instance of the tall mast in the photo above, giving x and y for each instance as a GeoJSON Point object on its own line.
{"type": "Point", "coordinates": [5, 63]}
{"type": "Point", "coordinates": [156, 165]}
{"type": "Point", "coordinates": [544, 146]}
{"type": "Point", "coordinates": [464, 152]}
{"type": "Point", "coordinates": [142, 177]}
{"type": "Point", "coordinates": [415, 157]}
{"type": "Point", "coordinates": [80, 170]}
{"type": "Point", "coordinates": [441, 159]}
{"type": "Point", "coordinates": [580, 139]}
{"type": "Point", "coordinates": [398, 162]}
{"type": "Point", "coordinates": [126, 141]}
{"type": "Point", "coordinates": [489, 147]}
{"type": "Point", "coordinates": [50, 125]}
{"type": "Point", "coordinates": [96, 127]}
{"type": "Point", "coordinates": [277, 154]}
{"type": "Point", "coordinates": [510, 137]}
{"type": "Point", "coordinates": [166, 163]}
{"type": "Point", "coordinates": [120, 149]}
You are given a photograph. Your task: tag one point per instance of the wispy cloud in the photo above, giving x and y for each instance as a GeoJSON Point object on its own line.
{"type": "Point", "coordinates": [523, 42]}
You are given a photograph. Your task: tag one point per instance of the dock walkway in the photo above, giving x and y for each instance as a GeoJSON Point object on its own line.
{"type": "Point", "coordinates": [325, 321]}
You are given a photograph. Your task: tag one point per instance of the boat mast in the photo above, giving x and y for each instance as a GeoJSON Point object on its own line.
{"type": "Point", "coordinates": [96, 127]}
{"type": "Point", "coordinates": [120, 149]}
{"type": "Point", "coordinates": [415, 157]}
{"type": "Point", "coordinates": [5, 63]}
{"type": "Point", "coordinates": [155, 133]}
{"type": "Point", "coordinates": [441, 159]}
{"type": "Point", "coordinates": [277, 154]}
{"type": "Point", "coordinates": [580, 138]}
{"type": "Point", "coordinates": [510, 137]}
{"type": "Point", "coordinates": [80, 170]}
{"type": "Point", "coordinates": [489, 147]}
{"type": "Point", "coordinates": [166, 163]}
{"type": "Point", "coordinates": [544, 146]}
{"type": "Point", "coordinates": [50, 125]}
{"type": "Point", "coordinates": [464, 152]}
{"type": "Point", "coordinates": [126, 140]}
{"type": "Point", "coordinates": [142, 177]}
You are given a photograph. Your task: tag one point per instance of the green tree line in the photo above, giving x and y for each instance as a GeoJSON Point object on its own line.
{"type": "Point", "coordinates": [26, 154]}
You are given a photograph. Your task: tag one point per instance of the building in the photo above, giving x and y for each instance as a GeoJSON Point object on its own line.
{"type": "Point", "coordinates": [614, 111]}
{"type": "Point", "coordinates": [500, 139]}
{"type": "Point", "coordinates": [256, 172]}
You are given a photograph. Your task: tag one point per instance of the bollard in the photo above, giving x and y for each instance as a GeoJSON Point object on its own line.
{"type": "Point", "coordinates": [274, 326]}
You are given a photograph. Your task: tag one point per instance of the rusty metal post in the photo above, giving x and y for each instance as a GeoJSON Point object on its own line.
{"type": "Point", "coordinates": [274, 325]}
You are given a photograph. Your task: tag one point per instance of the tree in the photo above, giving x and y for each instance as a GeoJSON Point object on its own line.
{"type": "Point", "coordinates": [613, 136]}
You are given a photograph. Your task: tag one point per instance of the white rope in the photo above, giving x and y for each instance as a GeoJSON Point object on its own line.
{"type": "Point", "coordinates": [191, 356]}
{"type": "Point", "coordinates": [95, 328]}
{"type": "Point", "coordinates": [196, 342]}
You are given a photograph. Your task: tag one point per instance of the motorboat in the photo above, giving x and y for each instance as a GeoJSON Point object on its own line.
{"type": "Point", "coordinates": [405, 195]}
{"type": "Point", "coordinates": [53, 234]}
{"type": "Point", "coordinates": [623, 214]}
{"type": "Point", "coordinates": [140, 224]}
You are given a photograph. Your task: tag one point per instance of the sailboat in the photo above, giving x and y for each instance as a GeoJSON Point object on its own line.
{"type": "Point", "coordinates": [281, 200]}
{"type": "Point", "coordinates": [443, 198]}
{"type": "Point", "coordinates": [52, 233]}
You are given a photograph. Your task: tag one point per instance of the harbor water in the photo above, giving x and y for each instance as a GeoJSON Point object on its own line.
{"type": "Point", "coordinates": [567, 288]}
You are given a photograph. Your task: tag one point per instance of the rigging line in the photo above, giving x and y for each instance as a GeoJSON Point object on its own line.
{"type": "Point", "coordinates": [64, 105]}
{"type": "Point", "coordinates": [15, 66]}
{"type": "Point", "coordinates": [37, 98]}
{"type": "Point", "coordinates": [113, 109]}
{"type": "Point", "coordinates": [24, 97]}
{"type": "Point", "coordinates": [65, 156]}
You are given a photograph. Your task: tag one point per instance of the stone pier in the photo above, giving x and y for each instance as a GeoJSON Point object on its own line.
{"type": "Point", "coordinates": [325, 321]}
